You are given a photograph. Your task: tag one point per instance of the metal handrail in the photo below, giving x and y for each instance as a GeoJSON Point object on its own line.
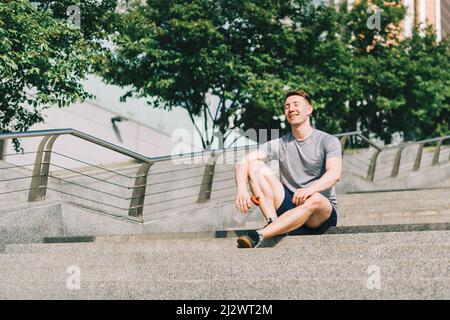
{"type": "Point", "coordinates": [41, 170]}
{"type": "Point", "coordinates": [39, 181]}
{"type": "Point", "coordinates": [78, 134]}
{"type": "Point", "coordinates": [40, 176]}
{"type": "Point", "coordinates": [400, 147]}
{"type": "Point", "coordinates": [345, 135]}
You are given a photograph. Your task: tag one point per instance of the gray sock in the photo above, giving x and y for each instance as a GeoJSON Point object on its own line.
{"type": "Point", "coordinates": [261, 237]}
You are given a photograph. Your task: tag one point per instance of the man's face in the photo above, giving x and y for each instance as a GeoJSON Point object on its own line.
{"type": "Point", "coordinates": [297, 110]}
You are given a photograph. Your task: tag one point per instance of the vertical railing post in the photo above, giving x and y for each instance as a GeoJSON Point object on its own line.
{"type": "Point", "coordinates": [396, 165]}
{"type": "Point", "coordinates": [372, 165]}
{"type": "Point", "coordinates": [418, 157]}
{"type": "Point", "coordinates": [2, 148]}
{"type": "Point", "coordinates": [208, 176]}
{"type": "Point", "coordinates": [343, 141]}
{"type": "Point", "coordinates": [138, 196]}
{"type": "Point", "coordinates": [437, 151]}
{"type": "Point", "coordinates": [46, 166]}
{"type": "Point", "coordinates": [39, 181]}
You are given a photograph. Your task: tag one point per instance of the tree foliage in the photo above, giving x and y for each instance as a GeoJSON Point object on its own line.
{"type": "Point", "coordinates": [42, 63]}
{"type": "Point", "coordinates": [246, 53]}
{"type": "Point", "coordinates": [249, 52]}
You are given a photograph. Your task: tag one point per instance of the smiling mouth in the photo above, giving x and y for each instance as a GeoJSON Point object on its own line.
{"type": "Point", "coordinates": [293, 116]}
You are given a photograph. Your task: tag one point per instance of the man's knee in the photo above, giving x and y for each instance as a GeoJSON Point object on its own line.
{"type": "Point", "coordinates": [259, 169]}
{"type": "Point", "coordinates": [316, 201]}
{"type": "Point", "coordinates": [255, 169]}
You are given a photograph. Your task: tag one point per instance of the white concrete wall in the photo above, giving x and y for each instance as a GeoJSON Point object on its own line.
{"type": "Point", "coordinates": [408, 23]}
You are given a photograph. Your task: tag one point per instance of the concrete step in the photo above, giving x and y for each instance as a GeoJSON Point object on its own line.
{"type": "Point", "coordinates": [248, 268]}
{"type": "Point", "coordinates": [68, 255]}
{"type": "Point", "coordinates": [414, 218]}
{"type": "Point", "coordinates": [261, 289]}
{"type": "Point", "coordinates": [393, 214]}
{"type": "Point", "coordinates": [379, 197]}
{"type": "Point", "coordinates": [345, 252]}
{"type": "Point", "coordinates": [396, 228]}
{"type": "Point", "coordinates": [421, 233]}
{"type": "Point", "coordinates": [379, 203]}
{"type": "Point", "coordinates": [227, 249]}
{"type": "Point", "coordinates": [386, 211]}
{"type": "Point", "coordinates": [376, 234]}
{"type": "Point", "coordinates": [30, 222]}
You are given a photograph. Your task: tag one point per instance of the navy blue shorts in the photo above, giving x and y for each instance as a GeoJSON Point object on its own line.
{"type": "Point", "coordinates": [303, 230]}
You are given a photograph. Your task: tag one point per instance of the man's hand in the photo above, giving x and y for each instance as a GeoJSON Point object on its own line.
{"type": "Point", "coordinates": [243, 202]}
{"type": "Point", "coordinates": [301, 195]}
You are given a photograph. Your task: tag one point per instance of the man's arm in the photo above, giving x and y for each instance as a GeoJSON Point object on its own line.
{"type": "Point", "coordinates": [333, 173]}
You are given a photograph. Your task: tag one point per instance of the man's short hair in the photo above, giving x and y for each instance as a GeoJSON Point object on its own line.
{"type": "Point", "coordinates": [300, 93]}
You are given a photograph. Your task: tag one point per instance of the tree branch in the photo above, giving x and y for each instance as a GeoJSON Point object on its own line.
{"type": "Point", "coordinates": [196, 128]}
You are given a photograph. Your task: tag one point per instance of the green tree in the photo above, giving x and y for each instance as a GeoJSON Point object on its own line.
{"type": "Point", "coordinates": [42, 61]}
{"type": "Point", "coordinates": [366, 79]}
{"type": "Point", "coordinates": [97, 17]}
{"type": "Point", "coordinates": [178, 52]}
{"type": "Point", "coordinates": [248, 53]}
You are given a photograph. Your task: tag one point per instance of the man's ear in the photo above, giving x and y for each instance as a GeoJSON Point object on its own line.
{"type": "Point", "coordinates": [310, 110]}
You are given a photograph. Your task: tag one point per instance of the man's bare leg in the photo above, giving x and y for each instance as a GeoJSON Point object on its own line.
{"type": "Point", "coordinates": [265, 185]}
{"type": "Point", "coordinates": [315, 211]}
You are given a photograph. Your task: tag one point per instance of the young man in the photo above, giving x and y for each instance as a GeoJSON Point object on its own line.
{"type": "Point", "coordinates": [310, 160]}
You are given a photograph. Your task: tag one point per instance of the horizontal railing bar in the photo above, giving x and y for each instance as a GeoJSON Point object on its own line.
{"type": "Point", "coordinates": [93, 165]}
{"type": "Point", "coordinates": [350, 133]}
{"type": "Point", "coordinates": [411, 143]}
{"type": "Point", "coordinates": [7, 192]}
{"type": "Point", "coordinates": [224, 188]}
{"type": "Point", "coordinates": [163, 182]}
{"type": "Point", "coordinates": [19, 178]}
{"type": "Point", "coordinates": [99, 202]}
{"type": "Point", "coordinates": [78, 134]}
{"type": "Point", "coordinates": [89, 188]}
{"type": "Point", "coordinates": [18, 154]}
{"type": "Point", "coordinates": [137, 156]}
{"type": "Point", "coordinates": [204, 153]}
{"type": "Point", "coordinates": [162, 201]}
{"type": "Point", "coordinates": [86, 175]}
{"type": "Point", "coordinates": [34, 133]}
{"type": "Point", "coordinates": [18, 166]}
{"type": "Point", "coordinates": [369, 142]}
{"type": "Point", "coordinates": [110, 146]}
{"type": "Point", "coordinates": [170, 215]}
{"type": "Point", "coordinates": [183, 169]}
{"type": "Point", "coordinates": [182, 188]}
{"type": "Point", "coordinates": [398, 190]}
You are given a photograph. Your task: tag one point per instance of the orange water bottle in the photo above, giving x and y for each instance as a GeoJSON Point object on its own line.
{"type": "Point", "coordinates": [241, 216]}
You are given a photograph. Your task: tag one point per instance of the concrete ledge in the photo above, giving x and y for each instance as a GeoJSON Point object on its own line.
{"type": "Point", "coordinates": [238, 233]}
{"type": "Point", "coordinates": [30, 223]}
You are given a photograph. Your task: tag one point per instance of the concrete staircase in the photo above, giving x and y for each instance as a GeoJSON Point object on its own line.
{"type": "Point", "coordinates": [186, 250]}
{"type": "Point", "coordinates": [386, 265]}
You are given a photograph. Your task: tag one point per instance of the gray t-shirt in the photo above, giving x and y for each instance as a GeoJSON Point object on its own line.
{"type": "Point", "coordinates": [303, 162]}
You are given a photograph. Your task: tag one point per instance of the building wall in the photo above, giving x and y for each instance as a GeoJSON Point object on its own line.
{"type": "Point", "coordinates": [445, 18]}
{"type": "Point", "coordinates": [430, 14]}
{"type": "Point", "coordinates": [434, 12]}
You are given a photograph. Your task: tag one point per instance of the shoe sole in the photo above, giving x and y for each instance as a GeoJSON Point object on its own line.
{"type": "Point", "coordinates": [243, 242]}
